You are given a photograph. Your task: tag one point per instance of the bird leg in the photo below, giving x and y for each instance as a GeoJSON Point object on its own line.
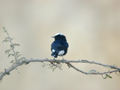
{"type": "Point", "coordinates": [63, 58]}
{"type": "Point", "coordinates": [54, 59]}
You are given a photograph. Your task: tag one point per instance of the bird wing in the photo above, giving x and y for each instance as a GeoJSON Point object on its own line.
{"type": "Point", "coordinates": [57, 46]}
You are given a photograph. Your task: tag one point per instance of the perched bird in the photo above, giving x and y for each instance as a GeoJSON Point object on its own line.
{"type": "Point", "coordinates": [59, 46]}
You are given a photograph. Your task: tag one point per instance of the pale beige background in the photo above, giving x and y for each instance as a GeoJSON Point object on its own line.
{"type": "Point", "coordinates": [92, 28]}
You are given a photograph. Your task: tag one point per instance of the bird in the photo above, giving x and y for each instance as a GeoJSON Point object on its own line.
{"type": "Point", "coordinates": [59, 46]}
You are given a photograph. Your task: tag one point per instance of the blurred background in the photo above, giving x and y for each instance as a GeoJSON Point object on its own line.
{"type": "Point", "coordinates": [92, 28]}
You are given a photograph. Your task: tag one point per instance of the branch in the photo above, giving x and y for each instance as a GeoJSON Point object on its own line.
{"type": "Point", "coordinates": [57, 62]}
{"type": "Point", "coordinates": [19, 60]}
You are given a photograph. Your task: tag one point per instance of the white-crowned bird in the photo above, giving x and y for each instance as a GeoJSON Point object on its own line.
{"type": "Point", "coordinates": [59, 46]}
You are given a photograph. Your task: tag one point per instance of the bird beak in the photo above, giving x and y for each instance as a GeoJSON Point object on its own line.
{"type": "Point", "coordinates": [52, 36]}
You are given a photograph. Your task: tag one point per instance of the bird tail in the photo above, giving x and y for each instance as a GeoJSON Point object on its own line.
{"type": "Point", "coordinates": [54, 54]}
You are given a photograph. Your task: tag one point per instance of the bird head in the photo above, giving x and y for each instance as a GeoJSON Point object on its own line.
{"type": "Point", "coordinates": [59, 36]}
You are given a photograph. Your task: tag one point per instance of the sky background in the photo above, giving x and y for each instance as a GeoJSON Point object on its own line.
{"type": "Point", "coordinates": [92, 30]}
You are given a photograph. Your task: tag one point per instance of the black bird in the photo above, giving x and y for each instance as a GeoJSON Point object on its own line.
{"type": "Point", "coordinates": [59, 46]}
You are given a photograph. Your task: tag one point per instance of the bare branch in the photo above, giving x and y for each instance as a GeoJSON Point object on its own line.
{"type": "Point", "coordinates": [67, 62]}
{"type": "Point", "coordinates": [20, 60]}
